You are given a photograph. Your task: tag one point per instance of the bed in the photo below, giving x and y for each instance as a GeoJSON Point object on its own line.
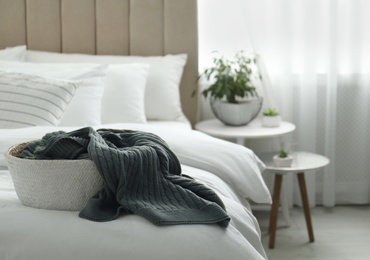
{"type": "Point", "coordinates": [117, 65]}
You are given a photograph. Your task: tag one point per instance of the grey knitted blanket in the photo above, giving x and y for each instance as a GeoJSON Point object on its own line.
{"type": "Point", "coordinates": [141, 176]}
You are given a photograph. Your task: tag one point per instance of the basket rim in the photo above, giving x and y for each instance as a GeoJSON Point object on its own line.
{"type": "Point", "coordinates": [12, 157]}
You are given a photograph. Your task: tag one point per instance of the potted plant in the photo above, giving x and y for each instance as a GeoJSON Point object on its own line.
{"type": "Point", "coordinates": [271, 118]}
{"type": "Point", "coordinates": [283, 159]}
{"type": "Point", "coordinates": [233, 96]}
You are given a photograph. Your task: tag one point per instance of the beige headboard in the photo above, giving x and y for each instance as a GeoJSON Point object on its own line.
{"type": "Point", "coordinates": [118, 27]}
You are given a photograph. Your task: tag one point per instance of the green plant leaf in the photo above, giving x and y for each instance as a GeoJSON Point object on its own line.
{"type": "Point", "coordinates": [232, 77]}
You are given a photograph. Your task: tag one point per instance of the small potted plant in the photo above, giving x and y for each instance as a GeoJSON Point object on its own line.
{"type": "Point", "coordinates": [271, 118]}
{"type": "Point", "coordinates": [283, 159]}
{"type": "Point", "coordinates": [233, 96]}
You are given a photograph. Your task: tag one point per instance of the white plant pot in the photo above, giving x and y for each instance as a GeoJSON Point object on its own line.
{"type": "Point", "coordinates": [283, 162]}
{"type": "Point", "coordinates": [271, 121]}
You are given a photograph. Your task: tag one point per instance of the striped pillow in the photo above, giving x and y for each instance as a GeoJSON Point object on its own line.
{"type": "Point", "coordinates": [29, 100]}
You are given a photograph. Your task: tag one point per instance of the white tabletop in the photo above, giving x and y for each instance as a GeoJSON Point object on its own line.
{"type": "Point", "coordinates": [252, 130]}
{"type": "Point", "coordinates": [302, 161]}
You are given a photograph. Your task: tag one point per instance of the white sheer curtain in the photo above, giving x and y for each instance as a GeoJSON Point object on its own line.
{"type": "Point", "coordinates": [317, 54]}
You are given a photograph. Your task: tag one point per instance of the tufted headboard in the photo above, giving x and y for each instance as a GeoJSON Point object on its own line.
{"type": "Point", "coordinates": [115, 27]}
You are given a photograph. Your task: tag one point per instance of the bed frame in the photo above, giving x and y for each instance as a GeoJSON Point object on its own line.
{"type": "Point", "coordinates": [115, 27]}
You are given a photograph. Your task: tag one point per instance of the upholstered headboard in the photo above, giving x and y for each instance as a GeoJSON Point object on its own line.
{"type": "Point", "coordinates": [118, 27]}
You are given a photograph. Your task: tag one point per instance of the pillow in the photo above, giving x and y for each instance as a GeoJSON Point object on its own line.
{"type": "Point", "coordinates": [162, 96]}
{"type": "Point", "coordinates": [13, 53]}
{"type": "Point", "coordinates": [28, 100]}
{"type": "Point", "coordinates": [123, 98]}
{"type": "Point", "coordinates": [85, 107]}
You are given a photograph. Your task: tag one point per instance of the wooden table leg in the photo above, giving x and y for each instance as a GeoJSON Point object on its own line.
{"type": "Point", "coordinates": [306, 206]}
{"type": "Point", "coordinates": [275, 209]}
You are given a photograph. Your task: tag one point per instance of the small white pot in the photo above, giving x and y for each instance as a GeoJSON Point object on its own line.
{"type": "Point", "coordinates": [271, 121]}
{"type": "Point", "coordinates": [283, 162]}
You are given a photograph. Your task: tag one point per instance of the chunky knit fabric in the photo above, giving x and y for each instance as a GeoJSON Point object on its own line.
{"type": "Point", "coordinates": [142, 176]}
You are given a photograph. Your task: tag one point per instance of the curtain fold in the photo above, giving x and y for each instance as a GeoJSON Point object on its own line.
{"type": "Point", "coordinates": [317, 55]}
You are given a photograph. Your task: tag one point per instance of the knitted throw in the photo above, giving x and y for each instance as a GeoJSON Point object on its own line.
{"type": "Point", "coordinates": [141, 176]}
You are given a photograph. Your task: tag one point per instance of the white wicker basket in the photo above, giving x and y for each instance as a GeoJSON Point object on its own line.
{"type": "Point", "coordinates": [53, 184]}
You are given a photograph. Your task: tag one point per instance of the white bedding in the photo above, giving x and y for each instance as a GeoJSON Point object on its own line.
{"type": "Point", "coordinates": [233, 171]}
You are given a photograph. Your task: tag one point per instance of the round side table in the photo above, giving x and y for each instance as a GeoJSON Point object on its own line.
{"type": "Point", "coordinates": [253, 130]}
{"type": "Point", "coordinates": [302, 162]}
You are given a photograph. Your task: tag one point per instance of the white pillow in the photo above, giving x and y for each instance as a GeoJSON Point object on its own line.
{"type": "Point", "coordinates": [123, 98]}
{"type": "Point", "coordinates": [16, 53]}
{"type": "Point", "coordinates": [28, 100]}
{"type": "Point", "coordinates": [85, 107]}
{"type": "Point", "coordinates": [162, 96]}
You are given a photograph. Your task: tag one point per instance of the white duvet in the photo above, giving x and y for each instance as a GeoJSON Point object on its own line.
{"type": "Point", "coordinates": [233, 171]}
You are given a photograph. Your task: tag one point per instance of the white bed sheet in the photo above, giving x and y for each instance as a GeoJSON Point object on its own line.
{"type": "Point", "coordinates": [184, 123]}
{"type": "Point", "coordinates": [27, 233]}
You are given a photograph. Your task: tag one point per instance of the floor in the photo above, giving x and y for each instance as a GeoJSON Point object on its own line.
{"type": "Point", "coordinates": [341, 233]}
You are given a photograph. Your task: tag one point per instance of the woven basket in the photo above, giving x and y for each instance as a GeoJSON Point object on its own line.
{"type": "Point", "coordinates": [53, 184]}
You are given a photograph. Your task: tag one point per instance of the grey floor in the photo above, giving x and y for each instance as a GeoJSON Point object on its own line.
{"type": "Point", "coordinates": [341, 233]}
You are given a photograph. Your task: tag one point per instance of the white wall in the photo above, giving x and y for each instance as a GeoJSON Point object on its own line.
{"type": "Point", "coordinates": [225, 19]}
